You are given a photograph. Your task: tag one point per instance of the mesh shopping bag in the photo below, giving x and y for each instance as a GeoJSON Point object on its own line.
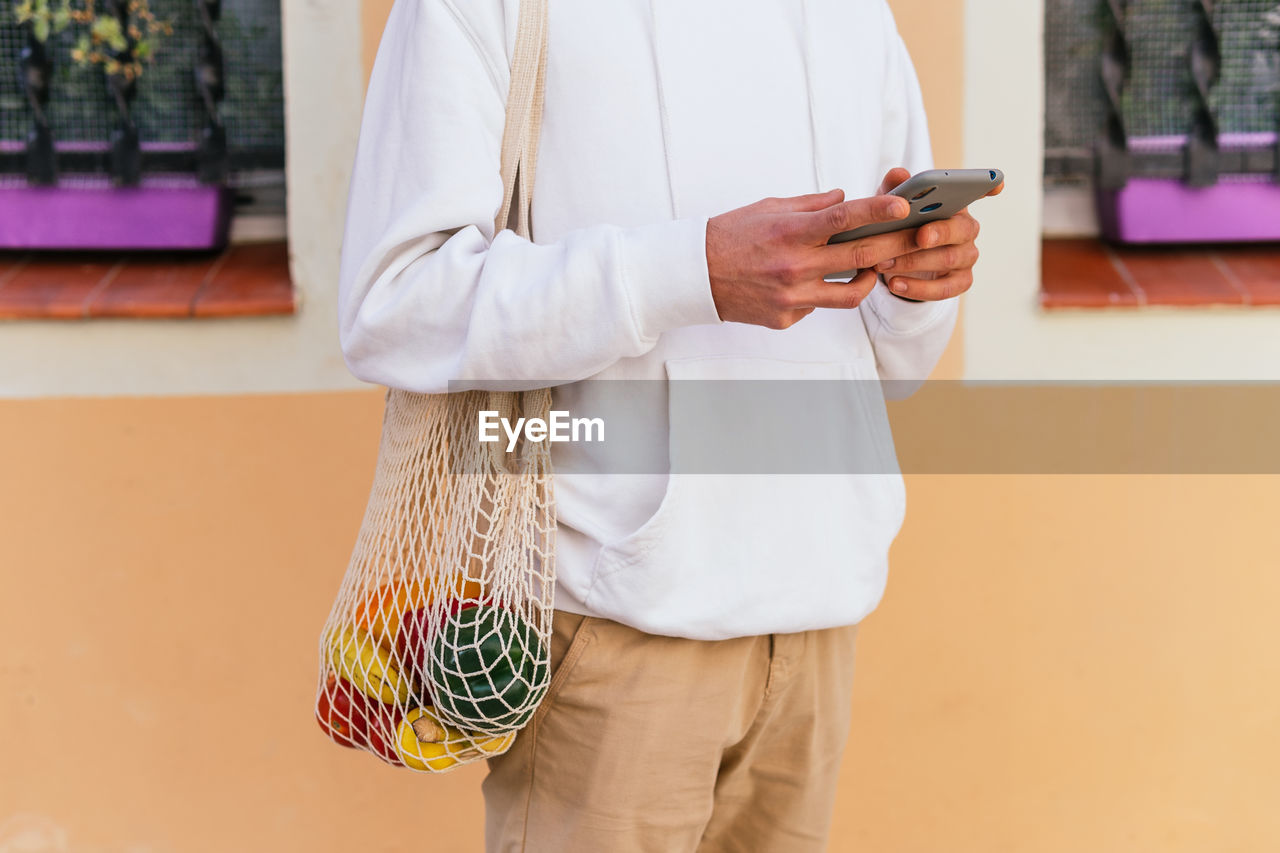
{"type": "Point", "coordinates": [437, 649]}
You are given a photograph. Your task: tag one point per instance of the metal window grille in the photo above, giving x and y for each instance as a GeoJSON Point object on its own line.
{"type": "Point", "coordinates": [168, 110]}
{"type": "Point", "coordinates": [1194, 89]}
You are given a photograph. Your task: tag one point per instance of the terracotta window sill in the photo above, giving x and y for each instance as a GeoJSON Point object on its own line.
{"type": "Point", "coordinates": [1087, 273]}
{"type": "Point", "coordinates": [243, 280]}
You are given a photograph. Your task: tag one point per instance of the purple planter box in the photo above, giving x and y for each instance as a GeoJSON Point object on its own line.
{"type": "Point", "coordinates": [1159, 211]}
{"type": "Point", "coordinates": [161, 213]}
{"type": "Point", "coordinates": [1240, 208]}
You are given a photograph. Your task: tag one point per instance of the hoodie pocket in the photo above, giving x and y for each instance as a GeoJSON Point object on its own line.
{"type": "Point", "coordinates": [720, 554]}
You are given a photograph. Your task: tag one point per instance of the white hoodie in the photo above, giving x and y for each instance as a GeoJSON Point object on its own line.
{"type": "Point", "coordinates": [659, 114]}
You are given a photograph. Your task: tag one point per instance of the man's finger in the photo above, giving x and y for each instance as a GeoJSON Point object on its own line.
{"type": "Point", "coordinates": [997, 190]}
{"type": "Point", "coordinates": [867, 252]}
{"type": "Point", "coordinates": [817, 227]}
{"type": "Point", "coordinates": [894, 177]}
{"type": "Point", "coordinates": [961, 228]}
{"type": "Point", "coordinates": [942, 259]}
{"type": "Point", "coordinates": [946, 287]}
{"type": "Point", "coordinates": [844, 295]}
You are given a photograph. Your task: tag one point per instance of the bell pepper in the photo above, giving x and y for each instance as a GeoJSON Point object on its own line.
{"type": "Point", "coordinates": [487, 669]}
{"type": "Point", "coordinates": [352, 719]}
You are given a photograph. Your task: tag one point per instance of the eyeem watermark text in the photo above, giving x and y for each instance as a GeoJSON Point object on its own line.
{"type": "Point", "coordinates": [558, 427]}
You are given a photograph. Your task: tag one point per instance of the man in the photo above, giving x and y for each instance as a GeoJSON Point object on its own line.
{"type": "Point", "coordinates": [703, 647]}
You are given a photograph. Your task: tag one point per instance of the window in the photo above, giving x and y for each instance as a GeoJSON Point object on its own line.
{"type": "Point", "coordinates": [1177, 91]}
{"type": "Point", "coordinates": [1161, 125]}
{"type": "Point", "coordinates": [183, 155]}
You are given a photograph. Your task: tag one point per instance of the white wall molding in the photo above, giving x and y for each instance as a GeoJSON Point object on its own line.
{"type": "Point", "coordinates": [1070, 210]}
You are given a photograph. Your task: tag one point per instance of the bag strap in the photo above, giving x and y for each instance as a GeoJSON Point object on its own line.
{"type": "Point", "coordinates": [519, 162]}
{"type": "Point", "coordinates": [523, 125]}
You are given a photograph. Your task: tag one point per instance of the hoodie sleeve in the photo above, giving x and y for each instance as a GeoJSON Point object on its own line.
{"type": "Point", "coordinates": [427, 293]}
{"type": "Point", "coordinates": [908, 337]}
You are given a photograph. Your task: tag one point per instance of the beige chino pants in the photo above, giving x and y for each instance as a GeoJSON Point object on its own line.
{"type": "Point", "coordinates": [648, 743]}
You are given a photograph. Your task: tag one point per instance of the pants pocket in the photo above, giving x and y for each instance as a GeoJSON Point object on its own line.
{"type": "Point", "coordinates": [570, 636]}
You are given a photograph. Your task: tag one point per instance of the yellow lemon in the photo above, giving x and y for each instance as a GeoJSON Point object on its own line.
{"type": "Point", "coordinates": [495, 745]}
{"type": "Point", "coordinates": [455, 747]}
{"type": "Point", "coordinates": [419, 755]}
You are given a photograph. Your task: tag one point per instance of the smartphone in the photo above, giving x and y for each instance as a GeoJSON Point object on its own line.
{"type": "Point", "coordinates": [936, 194]}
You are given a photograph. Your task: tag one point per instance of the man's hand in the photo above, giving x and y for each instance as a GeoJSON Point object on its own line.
{"type": "Point", "coordinates": [940, 265]}
{"type": "Point", "coordinates": [767, 260]}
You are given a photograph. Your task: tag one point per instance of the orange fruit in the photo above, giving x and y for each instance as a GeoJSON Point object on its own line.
{"type": "Point", "coordinates": [381, 612]}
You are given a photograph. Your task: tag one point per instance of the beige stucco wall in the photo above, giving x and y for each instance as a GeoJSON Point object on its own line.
{"type": "Point", "coordinates": [1060, 664]}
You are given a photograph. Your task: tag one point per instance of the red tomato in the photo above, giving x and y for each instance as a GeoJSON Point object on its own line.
{"type": "Point", "coordinates": [352, 719]}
